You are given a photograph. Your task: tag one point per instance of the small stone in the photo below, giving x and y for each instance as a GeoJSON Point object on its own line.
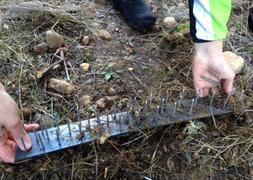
{"type": "Point", "coordinates": [169, 22]}
{"type": "Point", "coordinates": [41, 48]}
{"type": "Point", "coordinates": [26, 112]}
{"type": "Point", "coordinates": [101, 103]}
{"type": "Point", "coordinates": [111, 98]}
{"type": "Point", "coordinates": [86, 40]}
{"type": "Point", "coordinates": [235, 62]}
{"type": "Point", "coordinates": [54, 39]}
{"type": "Point", "coordinates": [44, 120]}
{"type": "Point", "coordinates": [129, 50]}
{"type": "Point", "coordinates": [130, 69]}
{"type": "Point", "coordinates": [86, 99]}
{"type": "Point", "coordinates": [104, 34]}
{"type": "Point", "coordinates": [61, 86]}
{"type": "Point", "coordinates": [85, 67]}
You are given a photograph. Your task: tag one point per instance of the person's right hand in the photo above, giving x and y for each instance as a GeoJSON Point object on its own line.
{"type": "Point", "coordinates": [12, 130]}
{"type": "Point", "coordinates": [209, 62]}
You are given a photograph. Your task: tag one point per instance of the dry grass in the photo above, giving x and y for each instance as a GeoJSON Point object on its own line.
{"type": "Point", "coordinates": [159, 67]}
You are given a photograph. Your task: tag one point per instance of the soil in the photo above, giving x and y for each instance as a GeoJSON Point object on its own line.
{"type": "Point", "coordinates": [131, 66]}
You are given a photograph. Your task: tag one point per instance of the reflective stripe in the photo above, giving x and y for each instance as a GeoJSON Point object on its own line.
{"type": "Point", "coordinates": [209, 19]}
{"type": "Point", "coordinates": [204, 28]}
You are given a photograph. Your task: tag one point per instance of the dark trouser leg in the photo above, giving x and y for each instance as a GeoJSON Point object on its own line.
{"type": "Point", "coordinates": [136, 12]}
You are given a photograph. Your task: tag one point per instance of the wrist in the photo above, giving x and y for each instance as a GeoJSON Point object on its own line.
{"type": "Point", "coordinates": [208, 50]}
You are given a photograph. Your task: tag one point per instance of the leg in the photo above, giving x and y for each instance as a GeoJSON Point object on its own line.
{"type": "Point", "coordinates": [136, 12]}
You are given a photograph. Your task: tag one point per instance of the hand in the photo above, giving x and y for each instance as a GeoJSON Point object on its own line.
{"type": "Point", "coordinates": [12, 130]}
{"type": "Point", "coordinates": [209, 62]}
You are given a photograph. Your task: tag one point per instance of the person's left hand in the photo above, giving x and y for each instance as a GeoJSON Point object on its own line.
{"type": "Point", "coordinates": [13, 132]}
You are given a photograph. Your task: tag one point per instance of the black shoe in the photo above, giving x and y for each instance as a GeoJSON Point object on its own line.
{"type": "Point", "coordinates": [136, 12]}
{"type": "Point", "coordinates": [250, 20]}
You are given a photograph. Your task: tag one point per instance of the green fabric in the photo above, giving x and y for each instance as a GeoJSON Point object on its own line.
{"type": "Point", "coordinates": [220, 12]}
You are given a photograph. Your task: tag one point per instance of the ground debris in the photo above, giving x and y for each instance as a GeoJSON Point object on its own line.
{"type": "Point", "coordinates": [235, 62]}
{"type": "Point", "coordinates": [85, 67]}
{"type": "Point", "coordinates": [54, 39]}
{"type": "Point", "coordinates": [86, 40]}
{"type": "Point", "coordinates": [61, 86]}
{"type": "Point", "coordinates": [41, 48]}
{"type": "Point", "coordinates": [104, 34]}
{"type": "Point", "coordinates": [169, 22]}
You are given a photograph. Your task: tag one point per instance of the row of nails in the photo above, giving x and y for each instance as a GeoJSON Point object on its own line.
{"type": "Point", "coordinates": [177, 105]}
{"type": "Point", "coordinates": [160, 110]}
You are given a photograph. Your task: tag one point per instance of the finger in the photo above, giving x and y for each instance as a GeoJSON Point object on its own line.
{"type": "Point", "coordinates": [31, 127]}
{"type": "Point", "coordinates": [7, 152]}
{"type": "Point", "coordinates": [20, 136]}
{"type": "Point", "coordinates": [205, 92]}
{"type": "Point", "coordinates": [228, 85]}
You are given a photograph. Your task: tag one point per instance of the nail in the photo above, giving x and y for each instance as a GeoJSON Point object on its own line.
{"type": "Point", "coordinates": [68, 123]}
{"type": "Point", "coordinates": [150, 99]}
{"type": "Point", "coordinates": [80, 127]}
{"type": "Point", "coordinates": [41, 142]}
{"type": "Point", "coordinates": [42, 128]}
{"type": "Point", "coordinates": [23, 143]}
{"type": "Point", "coordinates": [167, 97]}
{"type": "Point", "coordinates": [120, 125]}
{"type": "Point", "coordinates": [58, 137]}
{"type": "Point", "coordinates": [196, 100]}
{"type": "Point", "coordinates": [36, 136]}
{"type": "Point", "coordinates": [180, 101]}
{"type": "Point", "coordinates": [158, 110]}
{"type": "Point", "coordinates": [211, 100]}
{"type": "Point", "coordinates": [192, 104]}
{"type": "Point", "coordinates": [145, 107]}
{"type": "Point", "coordinates": [162, 105]}
{"type": "Point", "coordinates": [89, 123]}
{"type": "Point", "coordinates": [226, 102]}
{"type": "Point", "coordinates": [107, 120]}
{"type": "Point", "coordinates": [175, 108]}
{"type": "Point", "coordinates": [48, 138]}
{"type": "Point", "coordinates": [241, 95]}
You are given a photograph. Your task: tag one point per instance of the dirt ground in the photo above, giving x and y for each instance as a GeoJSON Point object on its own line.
{"type": "Point", "coordinates": [129, 66]}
